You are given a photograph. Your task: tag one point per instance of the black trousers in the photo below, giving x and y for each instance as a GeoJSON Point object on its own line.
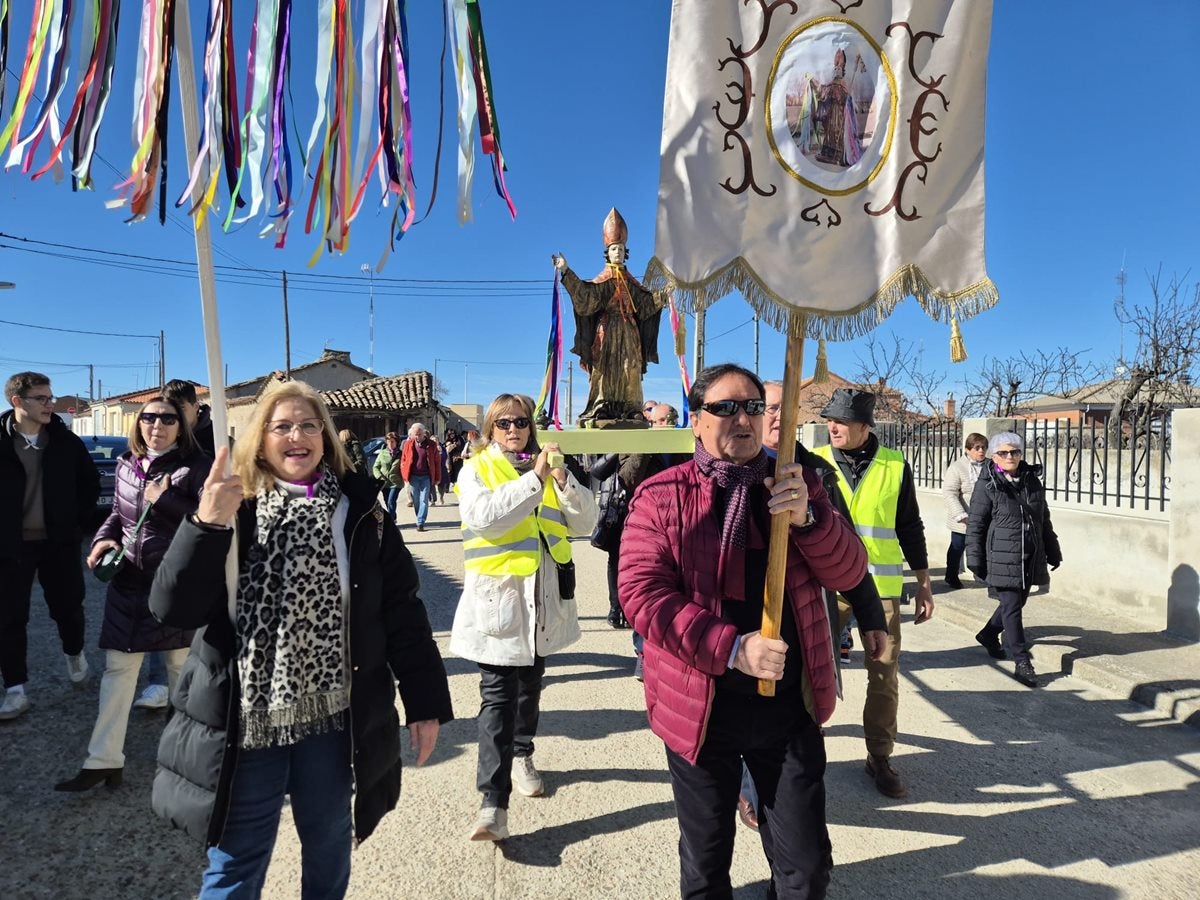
{"type": "Point", "coordinates": [954, 554]}
{"type": "Point", "coordinates": [785, 754]}
{"type": "Point", "coordinates": [60, 573]}
{"type": "Point", "coordinates": [511, 698]}
{"type": "Point", "coordinates": [1007, 620]}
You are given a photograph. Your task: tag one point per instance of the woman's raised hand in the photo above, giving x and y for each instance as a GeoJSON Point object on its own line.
{"type": "Point", "coordinates": [221, 495]}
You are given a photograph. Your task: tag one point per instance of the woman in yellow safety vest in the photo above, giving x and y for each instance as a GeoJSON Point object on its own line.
{"type": "Point", "coordinates": [519, 505]}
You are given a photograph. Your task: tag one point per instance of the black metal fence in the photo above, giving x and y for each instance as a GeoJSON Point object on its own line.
{"type": "Point", "coordinates": [1081, 463]}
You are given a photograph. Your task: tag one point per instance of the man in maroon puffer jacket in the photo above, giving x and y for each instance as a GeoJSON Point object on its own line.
{"type": "Point", "coordinates": [693, 570]}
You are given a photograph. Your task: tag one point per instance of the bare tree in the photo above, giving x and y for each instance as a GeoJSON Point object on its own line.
{"type": "Point", "coordinates": [1167, 334]}
{"type": "Point", "coordinates": [904, 388]}
{"type": "Point", "coordinates": [1005, 386]}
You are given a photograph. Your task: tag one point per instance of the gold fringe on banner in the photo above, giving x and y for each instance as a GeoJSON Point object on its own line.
{"type": "Point", "coordinates": [681, 338]}
{"type": "Point", "coordinates": [908, 281]}
{"type": "Point", "coordinates": [958, 351]}
{"type": "Point", "coordinates": [821, 372]}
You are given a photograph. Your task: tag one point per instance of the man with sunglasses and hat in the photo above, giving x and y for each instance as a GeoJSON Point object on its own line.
{"type": "Point", "coordinates": [878, 487]}
{"type": "Point", "coordinates": [692, 581]}
{"type": "Point", "coordinates": [48, 491]}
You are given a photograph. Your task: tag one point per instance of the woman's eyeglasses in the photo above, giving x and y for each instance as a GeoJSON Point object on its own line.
{"type": "Point", "coordinates": [726, 408]}
{"type": "Point", "coordinates": [308, 427]}
{"type": "Point", "coordinates": [1014, 454]}
{"type": "Point", "coordinates": [519, 422]}
{"type": "Point", "coordinates": [149, 418]}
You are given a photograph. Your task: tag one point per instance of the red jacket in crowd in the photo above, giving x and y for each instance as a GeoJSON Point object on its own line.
{"type": "Point", "coordinates": [433, 456]}
{"type": "Point", "coordinates": [668, 586]}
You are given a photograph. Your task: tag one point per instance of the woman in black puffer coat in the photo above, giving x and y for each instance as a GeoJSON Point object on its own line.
{"type": "Point", "coordinates": [1010, 543]}
{"type": "Point", "coordinates": [290, 688]}
{"type": "Point", "coordinates": [162, 467]}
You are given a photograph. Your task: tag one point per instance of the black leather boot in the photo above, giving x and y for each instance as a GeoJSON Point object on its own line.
{"type": "Point", "coordinates": [89, 778]}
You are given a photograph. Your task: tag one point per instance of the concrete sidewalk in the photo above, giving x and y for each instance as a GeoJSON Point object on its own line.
{"type": "Point", "coordinates": [1102, 648]}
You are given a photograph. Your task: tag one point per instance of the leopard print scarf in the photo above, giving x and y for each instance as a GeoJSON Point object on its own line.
{"type": "Point", "coordinates": [292, 620]}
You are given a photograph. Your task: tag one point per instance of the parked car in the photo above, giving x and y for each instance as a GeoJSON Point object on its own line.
{"type": "Point", "coordinates": [371, 450]}
{"type": "Point", "coordinates": [104, 451]}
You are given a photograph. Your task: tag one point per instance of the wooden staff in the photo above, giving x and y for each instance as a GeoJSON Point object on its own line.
{"type": "Point", "coordinates": [185, 68]}
{"type": "Point", "coordinates": [781, 525]}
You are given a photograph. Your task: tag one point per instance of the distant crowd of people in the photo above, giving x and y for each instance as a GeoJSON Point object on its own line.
{"type": "Point", "coordinates": [265, 705]}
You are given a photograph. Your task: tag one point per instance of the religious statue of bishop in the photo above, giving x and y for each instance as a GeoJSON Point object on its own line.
{"type": "Point", "coordinates": [616, 332]}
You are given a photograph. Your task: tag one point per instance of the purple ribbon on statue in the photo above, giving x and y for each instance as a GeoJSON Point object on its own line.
{"type": "Point", "coordinates": [737, 481]}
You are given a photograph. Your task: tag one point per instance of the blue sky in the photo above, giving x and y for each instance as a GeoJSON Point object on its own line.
{"type": "Point", "coordinates": [1091, 149]}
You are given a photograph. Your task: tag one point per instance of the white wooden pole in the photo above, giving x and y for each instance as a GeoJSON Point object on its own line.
{"type": "Point", "coordinates": [185, 68]}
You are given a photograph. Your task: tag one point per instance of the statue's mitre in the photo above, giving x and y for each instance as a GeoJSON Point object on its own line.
{"type": "Point", "coordinates": [615, 229]}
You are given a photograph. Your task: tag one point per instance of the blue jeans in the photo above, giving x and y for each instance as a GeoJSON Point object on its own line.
{"type": "Point", "coordinates": [316, 774]}
{"type": "Point", "coordinates": [156, 668]}
{"type": "Point", "coordinates": [421, 485]}
{"type": "Point", "coordinates": [393, 494]}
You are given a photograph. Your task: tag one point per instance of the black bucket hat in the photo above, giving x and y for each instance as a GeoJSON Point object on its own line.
{"type": "Point", "coordinates": [851, 405]}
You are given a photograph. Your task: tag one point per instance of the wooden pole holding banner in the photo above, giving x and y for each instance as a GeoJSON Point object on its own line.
{"type": "Point", "coordinates": [781, 525]}
{"type": "Point", "coordinates": [185, 67]}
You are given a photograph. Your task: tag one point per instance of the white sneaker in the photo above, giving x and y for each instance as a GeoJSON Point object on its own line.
{"type": "Point", "coordinates": [15, 703]}
{"type": "Point", "coordinates": [526, 778]}
{"type": "Point", "coordinates": [155, 696]}
{"type": "Point", "coordinates": [490, 825]}
{"type": "Point", "coordinates": [77, 667]}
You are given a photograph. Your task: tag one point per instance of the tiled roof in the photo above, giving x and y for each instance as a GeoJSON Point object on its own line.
{"type": "Point", "coordinates": [148, 394]}
{"type": "Point", "coordinates": [403, 392]}
{"type": "Point", "coordinates": [328, 356]}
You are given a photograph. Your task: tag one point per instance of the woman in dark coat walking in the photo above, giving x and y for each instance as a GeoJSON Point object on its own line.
{"type": "Point", "coordinates": [290, 687]}
{"type": "Point", "coordinates": [1010, 543]}
{"type": "Point", "coordinates": [162, 469]}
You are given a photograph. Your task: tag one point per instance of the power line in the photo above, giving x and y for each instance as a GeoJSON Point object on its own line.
{"type": "Point", "coordinates": [730, 331]}
{"type": "Point", "coordinates": [153, 337]}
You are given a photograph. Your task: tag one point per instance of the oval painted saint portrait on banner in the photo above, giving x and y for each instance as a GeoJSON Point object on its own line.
{"type": "Point", "coordinates": [831, 106]}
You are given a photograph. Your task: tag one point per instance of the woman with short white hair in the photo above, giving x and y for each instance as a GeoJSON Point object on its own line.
{"type": "Point", "coordinates": [1010, 542]}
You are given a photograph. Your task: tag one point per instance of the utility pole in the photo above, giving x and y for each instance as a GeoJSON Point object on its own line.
{"type": "Point", "coordinates": [368, 271]}
{"type": "Point", "coordinates": [756, 344]}
{"type": "Point", "coordinates": [570, 389]}
{"type": "Point", "coordinates": [287, 334]}
{"type": "Point", "coordinates": [698, 357]}
{"type": "Point", "coordinates": [162, 361]}
{"type": "Point", "coordinates": [91, 382]}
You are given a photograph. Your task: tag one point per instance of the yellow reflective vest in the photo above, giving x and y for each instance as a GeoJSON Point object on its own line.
{"type": "Point", "coordinates": [516, 552]}
{"type": "Point", "coordinates": [872, 508]}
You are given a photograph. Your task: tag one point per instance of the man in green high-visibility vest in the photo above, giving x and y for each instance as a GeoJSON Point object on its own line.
{"type": "Point", "coordinates": [878, 487]}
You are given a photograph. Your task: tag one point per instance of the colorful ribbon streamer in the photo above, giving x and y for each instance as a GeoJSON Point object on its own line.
{"type": "Point", "coordinates": [360, 131]}
{"type": "Point", "coordinates": [219, 135]}
{"type": "Point", "coordinates": [548, 398]}
{"type": "Point", "coordinates": [3, 51]}
{"type": "Point", "coordinates": [489, 124]}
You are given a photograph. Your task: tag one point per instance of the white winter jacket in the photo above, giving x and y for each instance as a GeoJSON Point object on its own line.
{"type": "Point", "coordinates": [504, 620]}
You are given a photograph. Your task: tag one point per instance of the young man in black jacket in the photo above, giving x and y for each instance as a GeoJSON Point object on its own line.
{"type": "Point", "coordinates": [48, 490]}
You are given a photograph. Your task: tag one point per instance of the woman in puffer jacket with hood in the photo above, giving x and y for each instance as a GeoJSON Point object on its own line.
{"type": "Point", "coordinates": [1010, 543]}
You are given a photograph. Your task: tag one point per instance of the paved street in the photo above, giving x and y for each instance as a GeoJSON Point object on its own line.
{"type": "Point", "coordinates": [1066, 792]}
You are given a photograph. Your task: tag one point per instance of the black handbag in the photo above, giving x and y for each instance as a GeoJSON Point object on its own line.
{"type": "Point", "coordinates": [614, 507]}
{"type": "Point", "coordinates": [566, 573]}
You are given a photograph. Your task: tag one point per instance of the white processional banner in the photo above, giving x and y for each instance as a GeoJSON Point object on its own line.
{"type": "Point", "coordinates": [825, 157]}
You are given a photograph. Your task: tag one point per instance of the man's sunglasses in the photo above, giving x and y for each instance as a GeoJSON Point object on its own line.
{"type": "Point", "coordinates": [519, 422]}
{"type": "Point", "coordinates": [726, 408]}
{"type": "Point", "coordinates": [168, 419]}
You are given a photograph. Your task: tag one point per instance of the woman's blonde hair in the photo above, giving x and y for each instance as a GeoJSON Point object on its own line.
{"type": "Point", "coordinates": [137, 441]}
{"type": "Point", "coordinates": [501, 405]}
{"type": "Point", "coordinates": [248, 463]}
